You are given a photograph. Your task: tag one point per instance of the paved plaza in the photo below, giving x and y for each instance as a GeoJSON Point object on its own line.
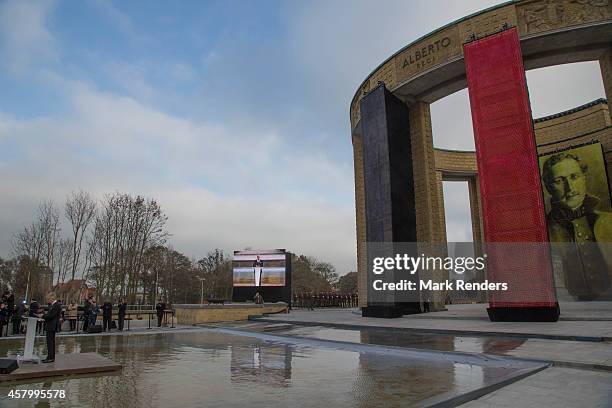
{"type": "Point", "coordinates": [482, 365]}
{"type": "Point", "coordinates": [578, 349]}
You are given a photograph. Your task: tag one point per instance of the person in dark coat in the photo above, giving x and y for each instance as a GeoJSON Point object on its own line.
{"type": "Point", "coordinates": [33, 309]}
{"type": "Point", "coordinates": [107, 315]}
{"type": "Point", "coordinates": [86, 313]}
{"type": "Point", "coordinates": [121, 314]}
{"type": "Point", "coordinates": [95, 311]}
{"type": "Point", "coordinates": [17, 318]}
{"type": "Point", "coordinates": [160, 307]}
{"type": "Point", "coordinates": [3, 317]}
{"type": "Point", "coordinates": [33, 312]}
{"type": "Point", "coordinates": [52, 321]}
{"type": "Point", "coordinates": [10, 303]}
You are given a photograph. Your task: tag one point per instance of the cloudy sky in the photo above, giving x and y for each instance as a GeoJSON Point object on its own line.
{"type": "Point", "coordinates": [232, 114]}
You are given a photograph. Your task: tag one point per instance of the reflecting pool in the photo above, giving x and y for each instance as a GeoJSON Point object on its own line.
{"type": "Point", "coordinates": [214, 368]}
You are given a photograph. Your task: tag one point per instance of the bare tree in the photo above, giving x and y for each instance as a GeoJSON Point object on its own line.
{"type": "Point", "coordinates": [35, 245]}
{"type": "Point", "coordinates": [64, 259]}
{"type": "Point", "coordinates": [28, 242]}
{"type": "Point", "coordinates": [80, 211]}
{"type": "Point", "coordinates": [48, 224]}
{"type": "Point", "coordinates": [125, 228]}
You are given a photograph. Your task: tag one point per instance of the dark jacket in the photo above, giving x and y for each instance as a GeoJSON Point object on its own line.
{"type": "Point", "coordinates": [52, 317]}
{"type": "Point", "coordinates": [87, 307]}
{"type": "Point", "coordinates": [160, 307]}
{"type": "Point", "coordinates": [4, 315]}
{"type": "Point", "coordinates": [122, 309]}
{"type": "Point", "coordinates": [107, 309]}
{"type": "Point", "coordinates": [34, 306]}
{"type": "Point", "coordinates": [21, 309]}
{"type": "Point", "coordinates": [10, 303]}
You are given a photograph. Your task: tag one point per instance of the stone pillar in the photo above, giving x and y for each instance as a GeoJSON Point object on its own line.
{"type": "Point", "coordinates": [475, 212]}
{"type": "Point", "coordinates": [429, 202]}
{"type": "Point", "coordinates": [477, 230]}
{"type": "Point", "coordinates": [440, 192]}
{"type": "Point", "coordinates": [429, 196]}
{"type": "Point", "coordinates": [605, 64]}
{"type": "Point", "coordinates": [362, 277]}
{"type": "Point", "coordinates": [390, 215]}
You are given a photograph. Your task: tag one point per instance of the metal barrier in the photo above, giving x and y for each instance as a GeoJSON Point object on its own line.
{"type": "Point", "coordinates": [137, 311]}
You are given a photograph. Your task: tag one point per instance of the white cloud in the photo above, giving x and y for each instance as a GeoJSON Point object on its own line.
{"type": "Point", "coordinates": [206, 220]}
{"type": "Point", "coordinates": [118, 18]}
{"type": "Point", "coordinates": [582, 83]}
{"type": "Point", "coordinates": [225, 183]}
{"type": "Point", "coordinates": [221, 186]}
{"type": "Point", "coordinates": [25, 39]}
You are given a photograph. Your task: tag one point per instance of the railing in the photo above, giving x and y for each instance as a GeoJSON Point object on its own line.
{"type": "Point", "coordinates": [138, 313]}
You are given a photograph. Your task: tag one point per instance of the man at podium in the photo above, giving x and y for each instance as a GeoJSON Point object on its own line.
{"type": "Point", "coordinates": [52, 321]}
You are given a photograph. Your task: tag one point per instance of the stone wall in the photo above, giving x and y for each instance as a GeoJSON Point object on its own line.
{"type": "Point", "coordinates": [195, 314]}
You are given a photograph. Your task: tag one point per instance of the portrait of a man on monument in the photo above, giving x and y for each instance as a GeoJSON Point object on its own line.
{"type": "Point", "coordinates": [579, 218]}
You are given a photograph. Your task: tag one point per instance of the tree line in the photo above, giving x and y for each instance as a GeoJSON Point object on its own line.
{"type": "Point", "coordinates": [118, 245]}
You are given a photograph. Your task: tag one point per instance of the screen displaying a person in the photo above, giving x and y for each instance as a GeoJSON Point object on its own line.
{"type": "Point", "coordinates": [574, 218]}
{"type": "Point", "coordinates": [257, 267]}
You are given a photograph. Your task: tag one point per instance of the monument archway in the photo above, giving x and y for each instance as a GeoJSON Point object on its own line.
{"type": "Point", "coordinates": [550, 33]}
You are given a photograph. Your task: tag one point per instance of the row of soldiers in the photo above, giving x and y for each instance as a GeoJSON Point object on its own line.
{"type": "Point", "coordinates": [311, 300]}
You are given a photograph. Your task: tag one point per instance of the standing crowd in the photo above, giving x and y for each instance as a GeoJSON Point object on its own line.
{"type": "Point", "coordinates": [13, 317]}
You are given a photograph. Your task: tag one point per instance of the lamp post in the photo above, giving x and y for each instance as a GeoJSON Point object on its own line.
{"type": "Point", "coordinates": [202, 292]}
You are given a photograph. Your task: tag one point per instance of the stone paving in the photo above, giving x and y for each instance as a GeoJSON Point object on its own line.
{"type": "Point", "coordinates": [557, 387]}
{"type": "Point", "coordinates": [579, 346]}
{"type": "Point", "coordinates": [570, 311]}
{"type": "Point", "coordinates": [598, 329]}
{"type": "Point", "coordinates": [578, 354]}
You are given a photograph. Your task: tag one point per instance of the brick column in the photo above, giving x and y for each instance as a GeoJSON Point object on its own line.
{"type": "Point", "coordinates": [477, 230]}
{"type": "Point", "coordinates": [475, 213]}
{"type": "Point", "coordinates": [440, 192]}
{"type": "Point", "coordinates": [429, 197]}
{"type": "Point", "coordinates": [605, 64]}
{"type": "Point", "coordinates": [362, 277]}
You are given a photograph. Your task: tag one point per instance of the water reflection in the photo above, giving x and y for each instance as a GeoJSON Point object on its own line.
{"type": "Point", "coordinates": [412, 339]}
{"type": "Point", "coordinates": [220, 370]}
{"type": "Point", "coordinates": [269, 364]}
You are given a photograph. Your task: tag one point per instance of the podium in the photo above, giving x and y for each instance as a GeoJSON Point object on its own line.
{"type": "Point", "coordinates": [28, 349]}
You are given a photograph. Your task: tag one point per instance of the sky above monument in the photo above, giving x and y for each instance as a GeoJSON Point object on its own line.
{"type": "Point", "coordinates": [232, 114]}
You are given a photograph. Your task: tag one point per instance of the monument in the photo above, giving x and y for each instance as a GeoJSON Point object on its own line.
{"type": "Point", "coordinates": [391, 125]}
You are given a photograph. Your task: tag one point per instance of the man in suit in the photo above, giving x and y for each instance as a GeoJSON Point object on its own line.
{"type": "Point", "coordinates": [257, 269]}
{"type": "Point", "coordinates": [52, 320]}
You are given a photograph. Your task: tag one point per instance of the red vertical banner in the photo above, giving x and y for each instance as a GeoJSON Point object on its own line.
{"type": "Point", "coordinates": [513, 208]}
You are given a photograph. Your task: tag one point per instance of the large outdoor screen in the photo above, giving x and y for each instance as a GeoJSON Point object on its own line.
{"type": "Point", "coordinates": [259, 267]}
